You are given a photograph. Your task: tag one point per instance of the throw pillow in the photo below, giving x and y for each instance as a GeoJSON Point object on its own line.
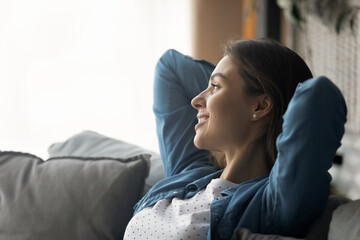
{"type": "Point", "coordinates": [345, 222]}
{"type": "Point", "coordinates": [92, 144]}
{"type": "Point", "coordinates": [68, 198]}
{"type": "Point", "coordinates": [320, 228]}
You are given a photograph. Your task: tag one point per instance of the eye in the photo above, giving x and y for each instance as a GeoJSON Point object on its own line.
{"type": "Point", "coordinates": [214, 86]}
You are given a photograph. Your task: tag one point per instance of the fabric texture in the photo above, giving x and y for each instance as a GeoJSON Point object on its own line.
{"type": "Point", "coordinates": [284, 202]}
{"type": "Point", "coordinates": [246, 234]}
{"type": "Point", "coordinates": [92, 144]}
{"type": "Point", "coordinates": [68, 197]}
{"type": "Point", "coordinates": [320, 228]}
{"type": "Point", "coordinates": [345, 223]}
{"type": "Point", "coordinates": [177, 218]}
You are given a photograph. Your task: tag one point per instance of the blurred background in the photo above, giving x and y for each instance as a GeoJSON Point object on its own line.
{"type": "Point", "coordinates": [68, 66]}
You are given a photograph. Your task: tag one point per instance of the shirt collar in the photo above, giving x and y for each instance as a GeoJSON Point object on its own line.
{"type": "Point", "coordinates": [203, 182]}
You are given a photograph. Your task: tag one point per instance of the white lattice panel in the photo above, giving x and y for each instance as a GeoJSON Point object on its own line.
{"type": "Point", "coordinates": [336, 56]}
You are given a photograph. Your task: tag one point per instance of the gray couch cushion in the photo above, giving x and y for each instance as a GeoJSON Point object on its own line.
{"type": "Point", "coordinates": [92, 144]}
{"type": "Point", "coordinates": [68, 198]}
{"type": "Point", "coordinates": [320, 228]}
{"type": "Point", "coordinates": [345, 223]}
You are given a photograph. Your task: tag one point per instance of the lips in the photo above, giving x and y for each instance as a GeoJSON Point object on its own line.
{"type": "Point", "coordinates": [202, 119]}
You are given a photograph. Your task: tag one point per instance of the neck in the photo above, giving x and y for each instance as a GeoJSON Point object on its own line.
{"type": "Point", "coordinates": [245, 164]}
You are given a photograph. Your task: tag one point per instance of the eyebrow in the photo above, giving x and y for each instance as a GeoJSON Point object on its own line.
{"type": "Point", "coordinates": [217, 75]}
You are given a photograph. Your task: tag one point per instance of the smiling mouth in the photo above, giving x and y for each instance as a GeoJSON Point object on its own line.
{"type": "Point", "coordinates": [201, 121]}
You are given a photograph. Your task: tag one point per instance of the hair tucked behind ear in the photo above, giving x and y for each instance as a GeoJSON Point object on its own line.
{"type": "Point", "coordinates": [268, 67]}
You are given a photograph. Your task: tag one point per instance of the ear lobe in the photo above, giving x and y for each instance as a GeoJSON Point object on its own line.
{"type": "Point", "coordinates": [263, 107]}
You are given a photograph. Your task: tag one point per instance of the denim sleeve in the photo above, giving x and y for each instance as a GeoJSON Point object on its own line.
{"type": "Point", "coordinates": [299, 181]}
{"type": "Point", "coordinates": [178, 79]}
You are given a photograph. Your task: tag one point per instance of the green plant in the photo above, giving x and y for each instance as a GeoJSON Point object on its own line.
{"type": "Point", "coordinates": [337, 13]}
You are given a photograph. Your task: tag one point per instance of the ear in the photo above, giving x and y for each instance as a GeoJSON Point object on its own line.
{"type": "Point", "coordinates": [262, 108]}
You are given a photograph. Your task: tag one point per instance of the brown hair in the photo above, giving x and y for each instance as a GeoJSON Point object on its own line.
{"type": "Point", "coordinates": [268, 67]}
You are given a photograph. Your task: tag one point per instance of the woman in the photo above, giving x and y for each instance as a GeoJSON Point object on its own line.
{"type": "Point", "coordinates": [275, 179]}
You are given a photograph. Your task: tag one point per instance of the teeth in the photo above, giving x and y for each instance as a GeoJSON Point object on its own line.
{"type": "Point", "coordinates": [202, 120]}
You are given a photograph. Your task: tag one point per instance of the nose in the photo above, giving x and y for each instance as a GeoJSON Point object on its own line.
{"type": "Point", "coordinates": [198, 101]}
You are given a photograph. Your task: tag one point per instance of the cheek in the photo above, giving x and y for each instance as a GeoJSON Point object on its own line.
{"type": "Point", "coordinates": [230, 115]}
{"type": "Point", "coordinates": [218, 104]}
{"type": "Point", "coordinates": [218, 109]}
{"type": "Point", "coordinates": [225, 107]}
{"type": "Point", "coordinates": [221, 116]}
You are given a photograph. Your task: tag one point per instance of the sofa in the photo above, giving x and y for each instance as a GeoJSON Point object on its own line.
{"type": "Point", "coordinates": [90, 183]}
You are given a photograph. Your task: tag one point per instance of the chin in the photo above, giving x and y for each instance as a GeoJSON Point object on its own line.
{"type": "Point", "coordinates": [197, 142]}
{"type": "Point", "coordinates": [201, 144]}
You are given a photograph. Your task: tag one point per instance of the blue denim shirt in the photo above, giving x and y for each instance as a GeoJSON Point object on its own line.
{"type": "Point", "coordinates": [283, 202]}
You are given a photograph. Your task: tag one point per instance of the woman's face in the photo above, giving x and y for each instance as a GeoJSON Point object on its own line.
{"type": "Point", "coordinates": [224, 110]}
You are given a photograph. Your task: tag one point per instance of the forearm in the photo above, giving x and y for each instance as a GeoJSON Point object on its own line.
{"type": "Point", "coordinates": [178, 78]}
{"type": "Point", "coordinates": [312, 131]}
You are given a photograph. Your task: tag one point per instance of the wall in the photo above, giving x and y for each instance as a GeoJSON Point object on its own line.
{"type": "Point", "coordinates": [213, 23]}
